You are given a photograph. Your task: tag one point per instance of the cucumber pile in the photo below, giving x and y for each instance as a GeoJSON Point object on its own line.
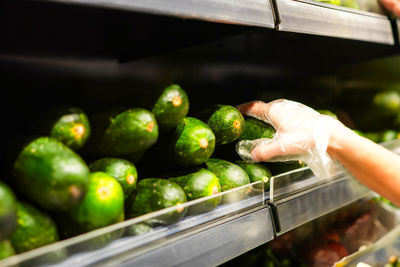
{"type": "Point", "coordinates": [74, 172]}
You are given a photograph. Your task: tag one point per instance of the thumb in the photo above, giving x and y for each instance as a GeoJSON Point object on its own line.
{"type": "Point", "coordinates": [275, 150]}
{"type": "Point", "coordinates": [263, 149]}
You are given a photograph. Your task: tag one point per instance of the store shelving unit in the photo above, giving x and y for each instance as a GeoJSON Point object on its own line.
{"type": "Point", "coordinates": [324, 19]}
{"type": "Point", "coordinates": [304, 16]}
{"type": "Point", "coordinates": [229, 230]}
{"type": "Point", "coordinates": [298, 208]}
{"type": "Point", "coordinates": [248, 12]}
{"type": "Point", "coordinates": [212, 238]}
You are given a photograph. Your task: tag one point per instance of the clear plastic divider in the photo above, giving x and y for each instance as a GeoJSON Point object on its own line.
{"type": "Point", "coordinates": [298, 180]}
{"type": "Point", "coordinates": [289, 183]}
{"type": "Point", "coordinates": [137, 235]}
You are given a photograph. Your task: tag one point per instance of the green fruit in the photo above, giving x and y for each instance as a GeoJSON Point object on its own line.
{"type": "Point", "coordinates": [387, 102]}
{"type": "Point", "coordinates": [171, 107]}
{"type": "Point", "coordinates": [230, 175]}
{"type": "Point", "coordinates": [51, 174]}
{"type": "Point", "coordinates": [191, 144]}
{"type": "Point", "coordinates": [350, 4]}
{"type": "Point", "coordinates": [124, 133]}
{"type": "Point", "coordinates": [122, 170]}
{"type": "Point", "coordinates": [102, 205]}
{"type": "Point", "coordinates": [72, 128]}
{"type": "Point", "coordinates": [69, 125]}
{"type": "Point", "coordinates": [156, 194]}
{"type": "Point", "coordinates": [256, 129]}
{"type": "Point", "coordinates": [226, 122]}
{"type": "Point", "coordinates": [389, 135]}
{"type": "Point", "coordinates": [6, 249]}
{"type": "Point", "coordinates": [359, 132]}
{"type": "Point", "coordinates": [34, 229]}
{"type": "Point", "coordinates": [8, 211]}
{"type": "Point", "coordinates": [201, 183]}
{"type": "Point", "coordinates": [332, 2]}
{"type": "Point", "coordinates": [373, 136]}
{"type": "Point", "coordinates": [256, 171]}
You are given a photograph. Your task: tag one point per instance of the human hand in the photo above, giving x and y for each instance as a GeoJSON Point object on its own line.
{"type": "Point", "coordinates": [301, 134]}
{"type": "Point", "coordinates": [392, 6]}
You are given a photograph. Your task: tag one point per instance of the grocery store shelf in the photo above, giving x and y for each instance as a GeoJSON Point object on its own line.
{"type": "Point", "coordinates": [324, 19]}
{"type": "Point", "coordinates": [246, 218]}
{"type": "Point", "coordinates": [297, 209]}
{"type": "Point", "coordinates": [206, 239]}
{"type": "Point", "coordinates": [299, 196]}
{"type": "Point", "coordinates": [245, 12]}
{"type": "Point", "coordinates": [212, 246]}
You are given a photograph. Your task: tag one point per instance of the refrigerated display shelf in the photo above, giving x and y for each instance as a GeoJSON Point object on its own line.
{"type": "Point", "coordinates": [299, 16]}
{"type": "Point", "coordinates": [208, 239]}
{"type": "Point", "coordinates": [298, 209]}
{"type": "Point", "coordinates": [317, 18]}
{"type": "Point", "coordinates": [241, 222]}
{"type": "Point", "coordinates": [245, 12]}
{"type": "Point", "coordinates": [298, 197]}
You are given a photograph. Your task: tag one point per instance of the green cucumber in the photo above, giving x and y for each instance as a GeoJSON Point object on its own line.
{"type": "Point", "coordinates": [386, 102]}
{"type": "Point", "coordinates": [256, 171]}
{"type": "Point", "coordinates": [124, 171]}
{"type": "Point", "coordinates": [191, 144]}
{"type": "Point", "coordinates": [194, 142]}
{"type": "Point", "coordinates": [156, 194]}
{"type": "Point", "coordinates": [350, 4]}
{"type": "Point", "coordinates": [201, 183]}
{"type": "Point", "coordinates": [35, 229]}
{"type": "Point", "coordinates": [333, 2]}
{"type": "Point", "coordinates": [171, 107]}
{"type": "Point", "coordinates": [226, 122]}
{"type": "Point", "coordinates": [389, 135]}
{"type": "Point", "coordinates": [68, 124]}
{"type": "Point", "coordinates": [71, 128]}
{"type": "Point", "coordinates": [256, 129]}
{"type": "Point", "coordinates": [51, 174]}
{"type": "Point", "coordinates": [6, 249]}
{"type": "Point", "coordinates": [8, 211]}
{"type": "Point", "coordinates": [122, 133]}
{"type": "Point", "coordinates": [373, 136]}
{"type": "Point", "coordinates": [102, 205]}
{"type": "Point", "coordinates": [230, 175]}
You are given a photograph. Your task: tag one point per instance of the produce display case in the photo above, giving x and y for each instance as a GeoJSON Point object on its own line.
{"type": "Point", "coordinates": [260, 42]}
{"type": "Point", "coordinates": [148, 239]}
{"type": "Point", "coordinates": [329, 20]}
{"type": "Point", "coordinates": [253, 12]}
{"type": "Point", "coordinates": [345, 236]}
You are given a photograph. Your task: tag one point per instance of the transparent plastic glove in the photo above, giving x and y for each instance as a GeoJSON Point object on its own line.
{"type": "Point", "coordinates": [301, 134]}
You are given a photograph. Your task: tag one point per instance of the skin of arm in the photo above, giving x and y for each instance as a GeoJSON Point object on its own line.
{"type": "Point", "coordinates": [392, 5]}
{"type": "Point", "coordinates": [373, 165]}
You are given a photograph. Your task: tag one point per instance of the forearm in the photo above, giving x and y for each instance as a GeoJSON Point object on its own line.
{"type": "Point", "coordinates": [373, 165]}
